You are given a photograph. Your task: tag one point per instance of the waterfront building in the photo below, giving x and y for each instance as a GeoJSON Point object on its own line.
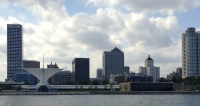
{"type": "Point", "coordinates": [31, 64]}
{"type": "Point", "coordinates": [50, 81]}
{"type": "Point", "coordinates": [25, 76]}
{"type": "Point", "coordinates": [62, 77]}
{"type": "Point", "coordinates": [52, 65]}
{"type": "Point", "coordinates": [171, 75]}
{"type": "Point", "coordinates": [113, 63]}
{"type": "Point", "coordinates": [179, 71]}
{"type": "Point", "coordinates": [150, 69]}
{"type": "Point", "coordinates": [14, 50]}
{"type": "Point", "coordinates": [146, 86]}
{"type": "Point", "coordinates": [190, 53]}
{"type": "Point", "coordinates": [99, 73]}
{"type": "Point", "coordinates": [80, 69]}
{"type": "Point", "coordinates": [119, 78]}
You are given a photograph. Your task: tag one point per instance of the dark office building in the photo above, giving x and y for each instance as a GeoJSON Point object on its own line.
{"type": "Point", "coordinates": [80, 69]}
{"type": "Point", "coordinates": [14, 50]}
{"type": "Point", "coordinates": [25, 76]}
{"type": "Point", "coordinates": [31, 64]}
{"type": "Point", "coordinates": [146, 86]}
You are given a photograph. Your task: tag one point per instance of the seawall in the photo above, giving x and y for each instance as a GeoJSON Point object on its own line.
{"type": "Point", "coordinates": [104, 93]}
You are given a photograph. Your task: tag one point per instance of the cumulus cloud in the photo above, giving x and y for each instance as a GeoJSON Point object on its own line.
{"type": "Point", "coordinates": [147, 6]}
{"type": "Point", "coordinates": [62, 37]}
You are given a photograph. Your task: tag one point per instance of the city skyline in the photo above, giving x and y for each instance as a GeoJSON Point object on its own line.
{"type": "Point", "coordinates": [86, 28]}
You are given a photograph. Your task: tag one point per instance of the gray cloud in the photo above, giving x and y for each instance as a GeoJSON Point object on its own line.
{"type": "Point", "coordinates": [62, 38]}
{"type": "Point", "coordinates": [148, 5]}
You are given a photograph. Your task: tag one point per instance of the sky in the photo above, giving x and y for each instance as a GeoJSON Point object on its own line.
{"type": "Point", "coordinates": [66, 29]}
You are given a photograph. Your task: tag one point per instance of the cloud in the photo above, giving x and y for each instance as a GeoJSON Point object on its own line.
{"type": "Point", "coordinates": [148, 6]}
{"type": "Point", "coordinates": [62, 37]}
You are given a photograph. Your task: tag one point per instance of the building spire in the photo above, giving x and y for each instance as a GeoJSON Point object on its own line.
{"type": "Point", "coordinates": [43, 61]}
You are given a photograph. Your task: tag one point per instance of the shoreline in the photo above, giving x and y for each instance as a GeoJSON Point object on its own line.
{"type": "Point", "coordinates": [103, 93]}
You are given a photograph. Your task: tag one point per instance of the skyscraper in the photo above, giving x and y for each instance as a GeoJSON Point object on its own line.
{"type": "Point", "coordinates": [112, 63]}
{"type": "Point", "coordinates": [99, 73]}
{"type": "Point", "coordinates": [80, 69]}
{"type": "Point", "coordinates": [190, 53]}
{"type": "Point", "coordinates": [14, 49]}
{"type": "Point", "coordinates": [150, 69]}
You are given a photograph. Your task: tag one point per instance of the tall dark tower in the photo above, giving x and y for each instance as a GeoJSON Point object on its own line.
{"type": "Point", "coordinates": [80, 69]}
{"type": "Point", "coordinates": [14, 49]}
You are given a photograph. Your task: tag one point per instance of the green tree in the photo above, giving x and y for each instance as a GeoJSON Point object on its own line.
{"type": "Point", "coordinates": [90, 87]}
{"type": "Point", "coordinates": [103, 82]}
{"type": "Point", "coordinates": [162, 79]}
{"type": "Point", "coordinates": [70, 83]}
{"type": "Point", "coordinates": [178, 79]}
{"type": "Point", "coordinates": [18, 88]}
{"type": "Point", "coordinates": [84, 83]}
{"type": "Point", "coordinates": [174, 79]}
{"type": "Point", "coordinates": [81, 87]}
{"type": "Point", "coordinates": [192, 88]}
{"type": "Point", "coordinates": [105, 87]}
{"type": "Point", "coordinates": [76, 87]}
{"type": "Point", "coordinates": [95, 82]}
{"type": "Point", "coordinates": [95, 87]}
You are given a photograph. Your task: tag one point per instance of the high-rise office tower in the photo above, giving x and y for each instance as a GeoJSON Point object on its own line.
{"type": "Point", "coordinates": [80, 69]}
{"type": "Point", "coordinates": [112, 63]}
{"type": "Point", "coordinates": [14, 49]}
{"type": "Point", "coordinates": [191, 53]}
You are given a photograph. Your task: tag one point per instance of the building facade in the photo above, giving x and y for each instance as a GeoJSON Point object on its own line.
{"type": "Point", "coordinates": [112, 63]}
{"type": "Point", "coordinates": [190, 53]}
{"type": "Point", "coordinates": [150, 69]}
{"type": "Point", "coordinates": [146, 86]}
{"type": "Point", "coordinates": [25, 76]}
{"type": "Point", "coordinates": [62, 77]}
{"type": "Point", "coordinates": [31, 64]}
{"type": "Point", "coordinates": [80, 69]}
{"type": "Point", "coordinates": [179, 71]}
{"type": "Point", "coordinates": [119, 78]}
{"type": "Point", "coordinates": [52, 65]}
{"type": "Point", "coordinates": [14, 50]}
{"type": "Point", "coordinates": [50, 80]}
{"type": "Point", "coordinates": [99, 73]}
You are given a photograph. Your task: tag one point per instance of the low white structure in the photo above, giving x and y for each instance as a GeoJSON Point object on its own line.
{"type": "Point", "coordinates": [43, 75]}
{"type": "Point", "coordinates": [150, 69]}
{"type": "Point", "coordinates": [72, 87]}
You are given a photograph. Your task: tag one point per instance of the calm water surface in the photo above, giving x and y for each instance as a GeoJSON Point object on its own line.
{"type": "Point", "coordinates": [101, 100]}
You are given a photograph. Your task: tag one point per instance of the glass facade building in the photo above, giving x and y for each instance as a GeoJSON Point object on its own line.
{"type": "Point", "coordinates": [14, 50]}
{"type": "Point", "coordinates": [112, 63]}
{"type": "Point", "coordinates": [25, 76]}
{"type": "Point", "coordinates": [190, 53]}
{"type": "Point", "coordinates": [80, 69]}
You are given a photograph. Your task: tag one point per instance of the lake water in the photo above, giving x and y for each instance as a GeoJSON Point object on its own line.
{"type": "Point", "coordinates": [101, 100]}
